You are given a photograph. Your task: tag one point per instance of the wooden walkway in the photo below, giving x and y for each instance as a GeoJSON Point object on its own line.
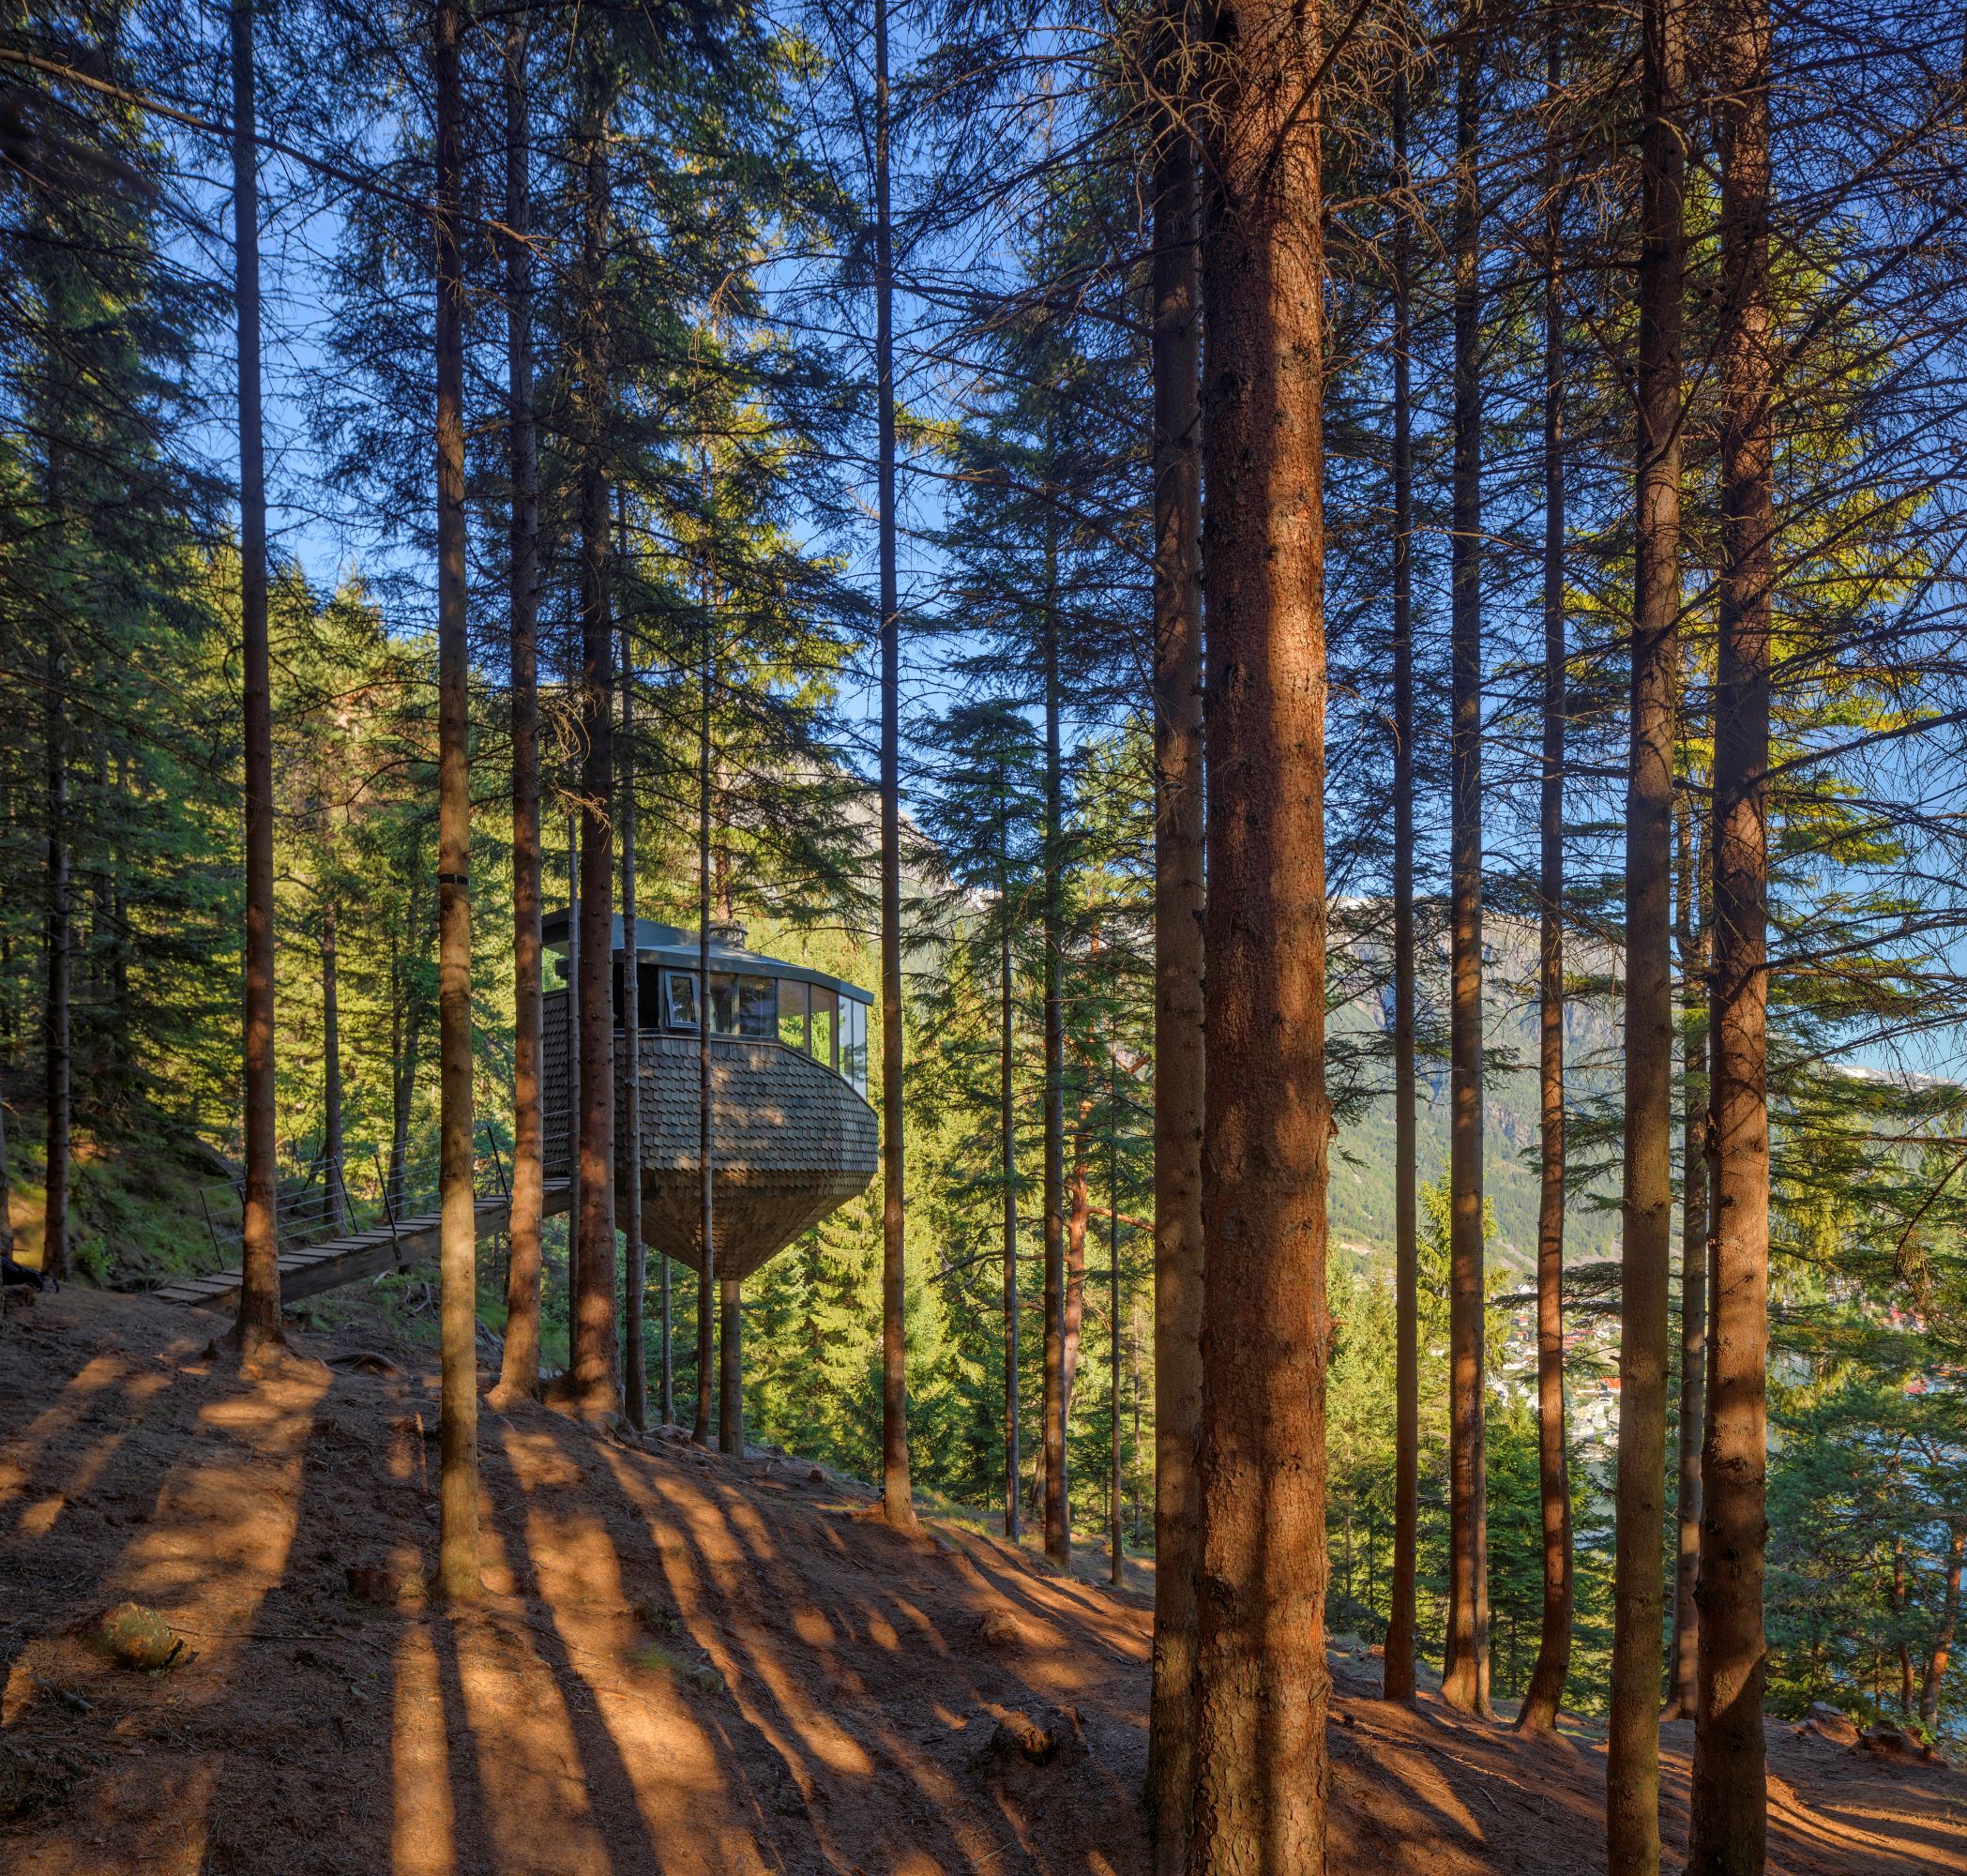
{"type": "Point", "coordinates": [315, 1268]}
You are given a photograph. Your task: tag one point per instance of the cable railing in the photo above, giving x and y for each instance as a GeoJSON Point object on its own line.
{"type": "Point", "coordinates": [315, 1202]}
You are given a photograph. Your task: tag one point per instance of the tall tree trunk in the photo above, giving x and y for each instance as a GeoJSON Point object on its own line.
{"type": "Point", "coordinates": [1545, 1693]}
{"type": "Point", "coordinates": [1901, 1608]}
{"type": "Point", "coordinates": [707, 1260]}
{"type": "Point", "coordinates": [1176, 344]}
{"type": "Point", "coordinates": [1728, 1834]}
{"type": "Point", "coordinates": [573, 1045]}
{"type": "Point", "coordinates": [1942, 1637]}
{"type": "Point", "coordinates": [1057, 1505]}
{"type": "Point", "coordinates": [1645, 1263]}
{"type": "Point", "coordinates": [519, 1367]}
{"type": "Point", "coordinates": [1113, 1554]}
{"type": "Point", "coordinates": [1693, 1268]}
{"type": "Point", "coordinates": [1397, 1681]}
{"type": "Point", "coordinates": [1077, 1220]}
{"type": "Point", "coordinates": [332, 1147]}
{"type": "Point", "coordinates": [731, 1369]}
{"type": "Point", "coordinates": [1006, 1124]}
{"type": "Point", "coordinates": [120, 1042]}
{"type": "Point", "coordinates": [634, 1368]}
{"type": "Point", "coordinates": [405, 1039]}
{"type": "Point", "coordinates": [1465, 1657]}
{"type": "Point", "coordinates": [259, 1317]}
{"type": "Point", "coordinates": [1261, 1681]}
{"type": "Point", "coordinates": [592, 1376]}
{"type": "Point", "coordinates": [7, 1210]}
{"type": "Point", "coordinates": [55, 1026]}
{"type": "Point", "coordinates": [457, 1244]}
{"type": "Point", "coordinates": [898, 1503]}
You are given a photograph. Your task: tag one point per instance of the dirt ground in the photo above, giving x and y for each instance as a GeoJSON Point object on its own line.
{"type": "Point", "coordinates": [683, 1664]}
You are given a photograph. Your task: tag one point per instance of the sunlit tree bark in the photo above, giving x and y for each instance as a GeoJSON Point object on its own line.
{"type": "Point", "coordinates": [1466, 1654]}
{"type": "Point", "coordinates": [519, 1367]}
{"type": "Point", "coordinates": [1645, 1262]}
{"type": "Point", "coordinates": [898, 1504]}
{"type": "Point", "coordinates": [258, 1316]}
{"type": "Point", "coordinates": [1545, 1693]}
{"type": "Point", "coordinates": [456, 1254]}
{"type": "Point", "coordinates": [1398, 1660]}
{"type": "Point", "coordinates": [1262, 1680]}
{"type": "Point", "coordinates": [1178, 954]}
{"type": "Point", "coordinates": [1729, 1829]}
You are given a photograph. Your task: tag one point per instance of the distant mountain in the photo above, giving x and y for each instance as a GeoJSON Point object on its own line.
{"type": "Point", "coordinates": [1360, 1205]}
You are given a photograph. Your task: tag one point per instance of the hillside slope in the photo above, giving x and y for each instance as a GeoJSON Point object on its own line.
{"type": "Point", "coordinates": [684, 1664]}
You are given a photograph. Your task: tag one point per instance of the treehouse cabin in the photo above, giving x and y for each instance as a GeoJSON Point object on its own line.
{"type": "Point", "coordinates": [792, 1137]}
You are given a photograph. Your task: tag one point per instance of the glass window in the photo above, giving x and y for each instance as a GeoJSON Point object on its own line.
{"type": "Point", "coordinates": [826, 1026]}
{"type": "Point", "coordinates": [794, 1017]}
{"type": "Point", "coordinates": [853, 1044]}
{"type": "Point", "coordinates": [758, 1007]}
{"type": "Point", "coordinates": [723, 1004]}
{"type": "Point", "coordinates": [680, 993]}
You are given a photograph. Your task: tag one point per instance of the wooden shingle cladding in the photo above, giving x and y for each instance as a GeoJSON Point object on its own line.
{"type": "Point", "coordinates": [791, 1141]}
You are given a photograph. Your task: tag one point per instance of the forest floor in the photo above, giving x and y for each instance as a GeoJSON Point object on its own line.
{"type": "Point", "coordinates": [682, 1663]}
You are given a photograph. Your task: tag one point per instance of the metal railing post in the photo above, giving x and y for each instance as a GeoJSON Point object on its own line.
{"type": "Point", "coordinates": [211, 1229]}
{"type": "Point", "coordinates": [388, 1209]}
{"type": "Point", "coordinates": [498, 1163]}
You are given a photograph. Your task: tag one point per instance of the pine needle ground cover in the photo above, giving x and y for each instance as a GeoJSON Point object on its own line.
{"type": "Point", "coordinates": [686, 1663]}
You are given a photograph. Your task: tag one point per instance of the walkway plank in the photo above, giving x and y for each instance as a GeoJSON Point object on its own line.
{"type": "Point", "coordinates": [315, 1268]}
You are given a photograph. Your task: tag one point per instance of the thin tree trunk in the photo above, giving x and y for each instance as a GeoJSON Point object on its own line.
{"type": "Point", "coordinates": [592, 1377]}
{"type": "Point", "coordinates": [1545, 1693]}
{"type": "Point", "coordinates": [1262, 1680]}
{"type": "Point", "coordinates": [457, 1253]}
{"type": "Point", "coordinates": [1057, 1506]}
{"type": "Point", "coordinates": [898, 1503]}
{"type": "Point", "coordinates": [1114, 1570]}
{"type": "Point", "coordinates": [573, 1054]}
{"type": "Point", "coordinates": [54, 1218]}
{"type": "Point", "coordinates": [1178, 967]}
{"type": "Point", "coordinates": [519, 1369]}
{"type": "Point", "coordinates": [1645, 1263]}
{"type": "Point", "coordinates": [1943, 1638]}
{"type": "Point", "coordinates": [1397, 1681]}
{"type": "Point", "coordinates": [331, 1070]}
{"type": "Point", "coordinates": [259, 1317]}
{"type": "Point", "coordinates": [1465, 1657]}
{"type": "Point", "coordinates": [1077, 1220]}
{"type": "Point", "coordinates": [406, 1038]}
{"type": "Point", "coordinates": [7, 1212]}
{"type": "Point", "coordinates": [1728, 1834]}
{"type": "Point", "coordinates": [634, 1366]}
{"type": "Point", "coordinates": [731, 1369]}
{"type": "Point", "coordinates": [1901, 1608]}
{"type": "Point", "coordinates": [1006, 1122]}
{"type": "Point", "coordinates": [120, 1042]}
{"type": "Point", "coordinates": [707, 1260]}
{"type": "Point", "coordinates": [1693, 1269]}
